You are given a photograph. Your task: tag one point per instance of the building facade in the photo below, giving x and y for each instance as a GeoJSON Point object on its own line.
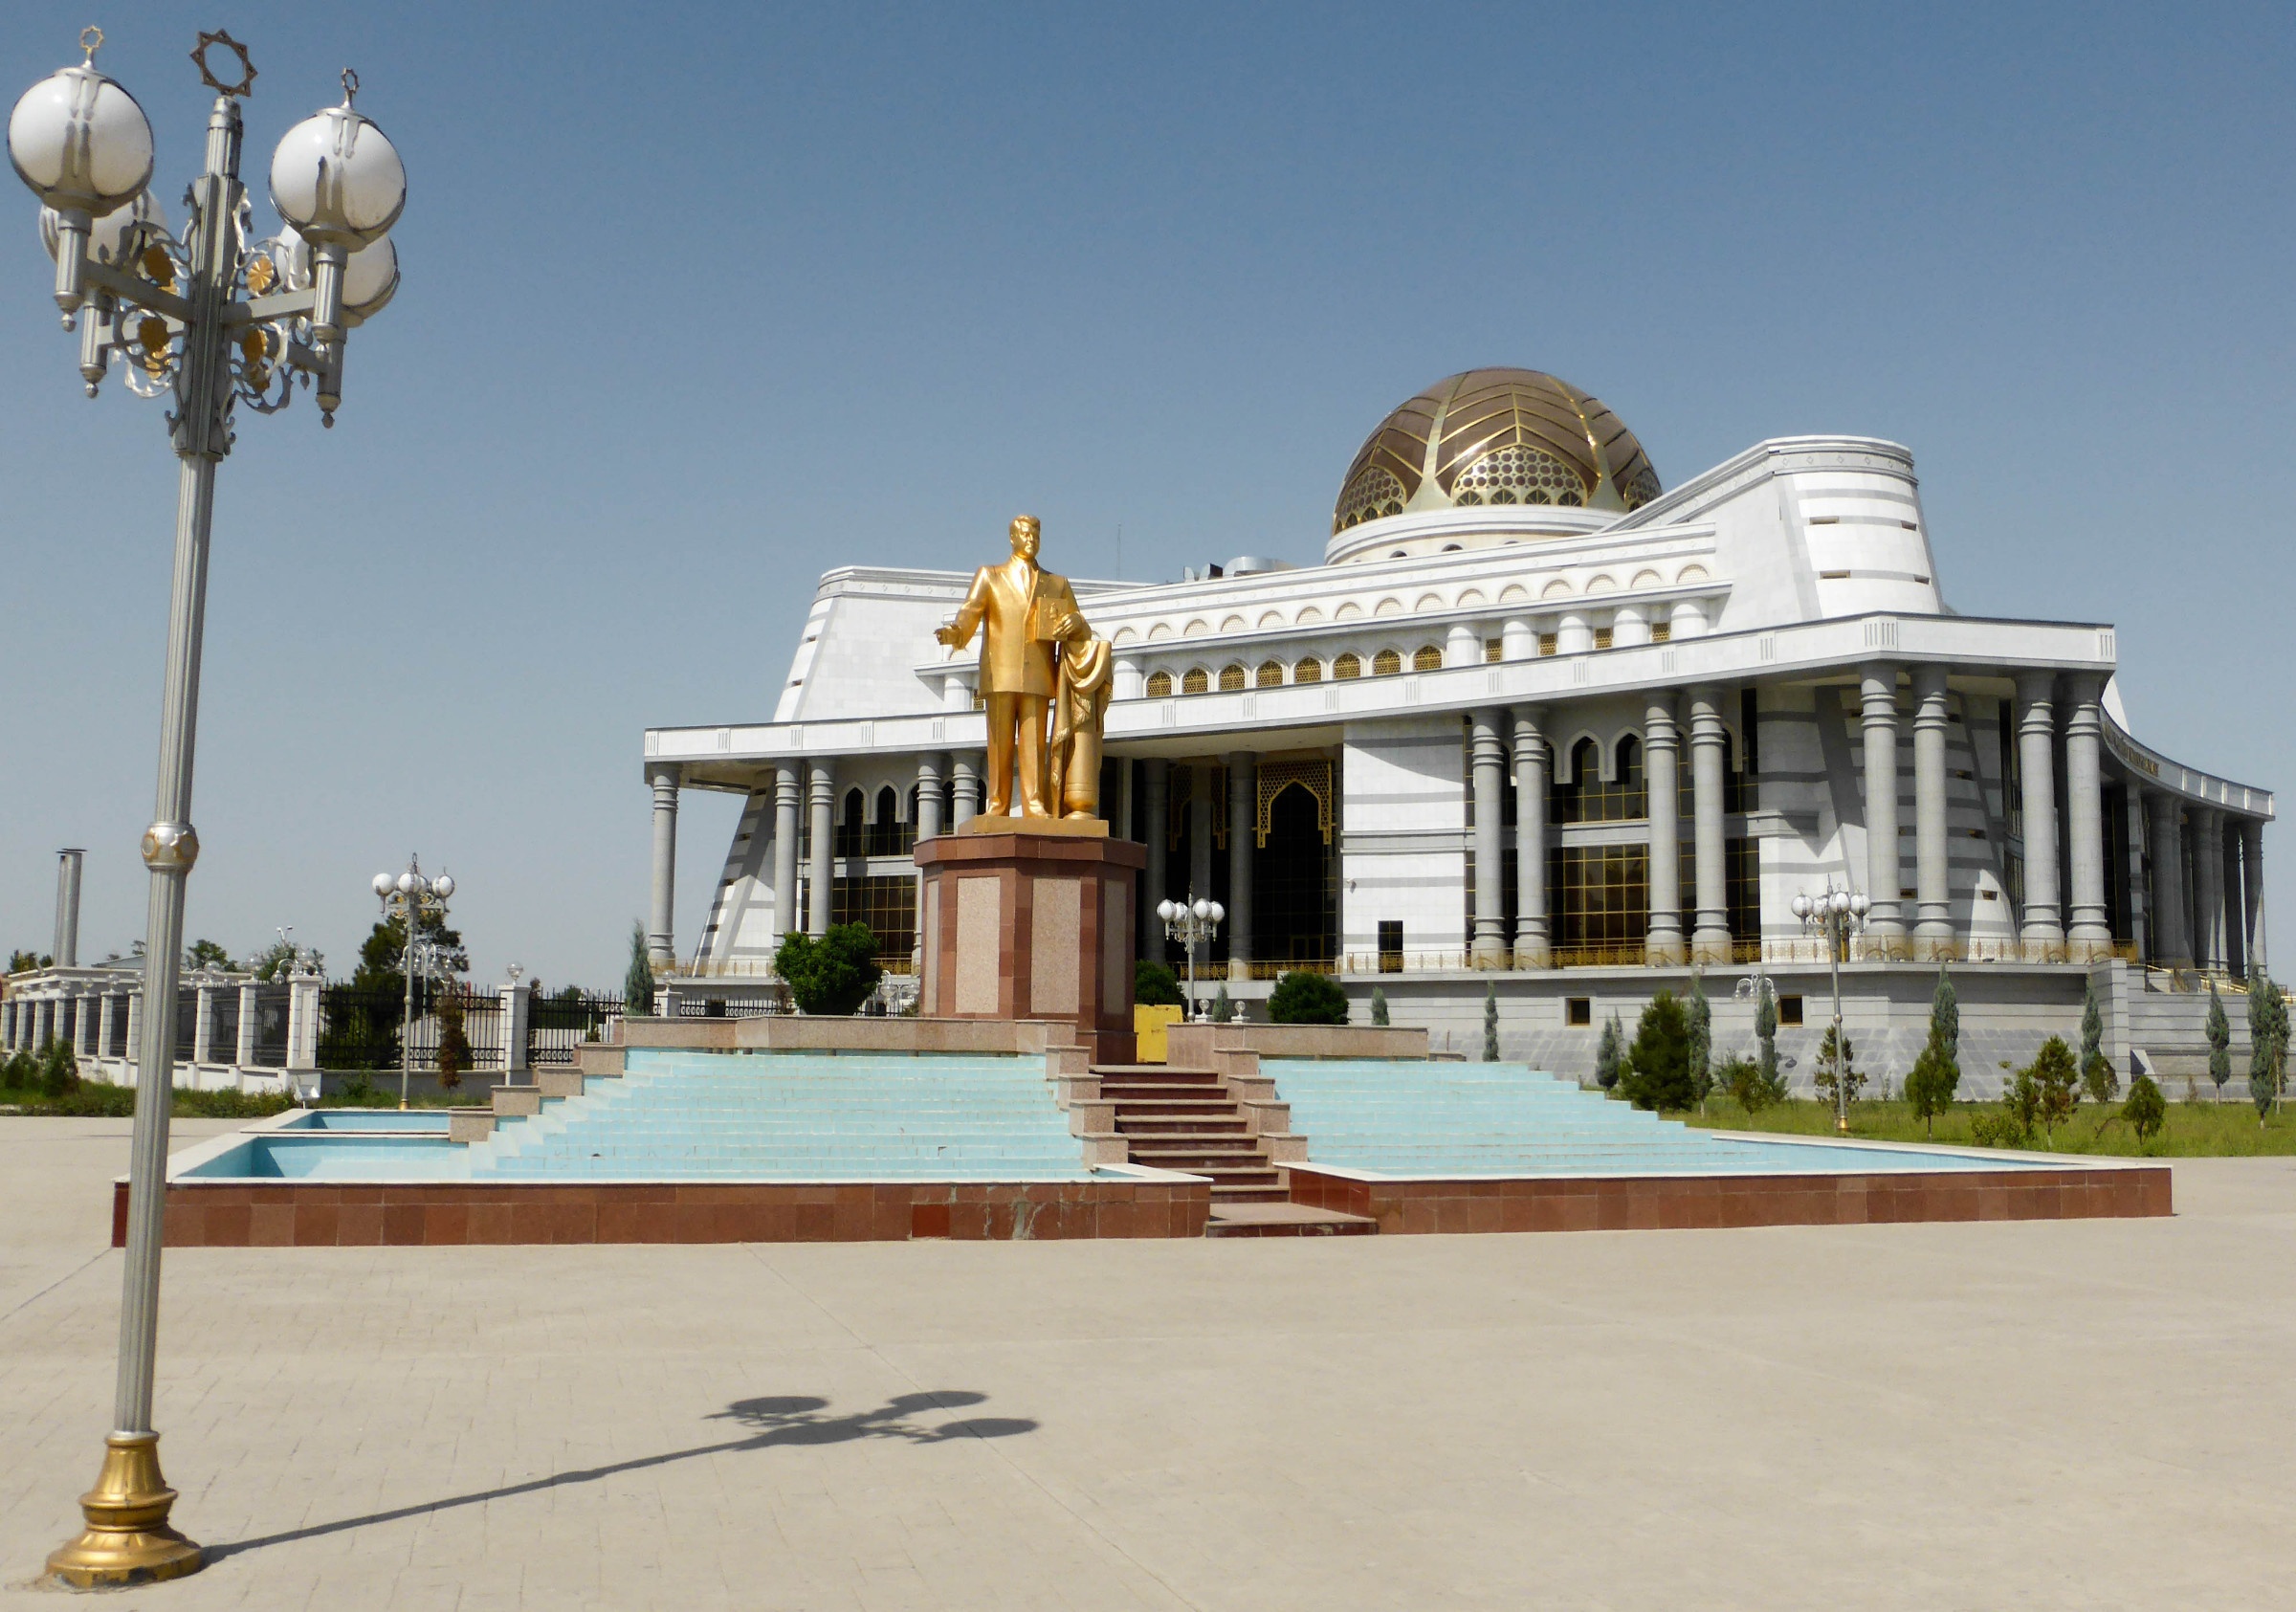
{"type": "Point", "coordinates": [1530, 714]}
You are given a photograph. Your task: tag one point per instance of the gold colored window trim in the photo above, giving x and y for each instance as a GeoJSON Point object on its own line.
{"type": "Point", "coordinates": [1275, 777]}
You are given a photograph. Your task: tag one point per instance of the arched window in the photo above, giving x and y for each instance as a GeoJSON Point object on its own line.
{"type": "Point", "coordinates": [1457, 549]}
{"type": "Point", "coordinates": [1196, 681]}
{"type": "Point", "coordinates": [1429, 658]}
{"type": "Point", "coordinates": [1588, 799]}
{"type": "Point", "coordinates": [1347, 666]}
{"type": "Point", "coordinates": [1386, 664]}
{"type": "Point", "coordinates": [885, 826]}
{"type": "Point", "coordinates": [1308, 671]}
{"type": "Point", "coordinates": [853, 825]}
{"type": "Point", "coordinates": [1232, 676]}
{"type": "Point", "coordinates": [1159, 685]}
{"type": "Point", "coordinates": [1270, 674]}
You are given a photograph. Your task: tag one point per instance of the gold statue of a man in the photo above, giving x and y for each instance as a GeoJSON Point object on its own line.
{"type": "Point", "coordinates": [1029, 615]}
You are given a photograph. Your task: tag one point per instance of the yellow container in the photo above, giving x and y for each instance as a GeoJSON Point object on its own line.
{"type": "Point", "coordinates": [1149, 1021]}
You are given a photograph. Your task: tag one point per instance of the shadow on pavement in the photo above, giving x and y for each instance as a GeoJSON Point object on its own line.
{"type": "Point", "coordinates": [786, 1420]}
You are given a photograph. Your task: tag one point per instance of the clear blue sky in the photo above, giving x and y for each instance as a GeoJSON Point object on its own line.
{"type": "Point", "coordinates": [700, 300]}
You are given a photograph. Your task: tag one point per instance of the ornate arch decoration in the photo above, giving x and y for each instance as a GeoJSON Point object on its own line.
{"type": "Point", "coordinates": [1275, 777]}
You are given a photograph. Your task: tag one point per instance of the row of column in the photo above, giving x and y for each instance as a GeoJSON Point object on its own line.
{"type": "Point", "coordinates": [1242, 812]}
{"type": "Point", "coordinates": [2218, 922]}
{"type": "Point", "coordinates": [1531, 946]}
{"type": "Point", "coordinates": [27, 1024]}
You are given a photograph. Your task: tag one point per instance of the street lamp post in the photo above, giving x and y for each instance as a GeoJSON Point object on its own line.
{"type": "Point", "coordinates": [1192, 922]}
{"type": "Point", "coordinates": [211, 321]}
{"type": "Point", "coordinates": [1837, 915]}
{"type": "Point", "coordinates": [411, 897]}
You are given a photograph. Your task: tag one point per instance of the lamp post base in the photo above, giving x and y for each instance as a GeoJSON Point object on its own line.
{"type": "Point", "coordinates": [127, 1539]}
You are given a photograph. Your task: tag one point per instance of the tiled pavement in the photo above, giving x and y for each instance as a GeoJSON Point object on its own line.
{"type": "Point", "coordinates": [2092, 1413]}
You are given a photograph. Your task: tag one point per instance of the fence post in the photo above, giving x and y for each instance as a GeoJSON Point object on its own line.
{"type": "Point", "coordinates": [245, 1054]}
{"type": "Point", "coordinates": [203, 1029]}
{"type": "Point", "coordinates": [518, 998]}
{"type": "Point", "coordinates": [303, 1022]}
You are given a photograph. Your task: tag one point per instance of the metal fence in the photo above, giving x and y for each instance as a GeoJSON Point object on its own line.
{"type": "Point", "coordinates": [359, 1029]}
{"type": "Point", "coordinates": [556, 1024]}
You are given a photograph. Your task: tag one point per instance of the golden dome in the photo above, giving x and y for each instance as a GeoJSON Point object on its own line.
{"type": "Point", "coordinates": [1496, 436]}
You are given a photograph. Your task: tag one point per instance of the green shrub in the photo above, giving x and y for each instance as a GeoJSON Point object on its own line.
{"type": "Point", "coordinates": [1154, 984]}
{"type": "Point", "coordinates": [59, 1070]}
{"type": "Point", "coordinates": [2057, 1080]}
{"type": "Point", "coordinates": [831, 977]}
{"type": "Point", "coordinates": [1656, 1071]}
{"type": "Point", "coordinates": [1224, 1007]}
{"type": "Point", "coordinates": [1607, 1053]}
{"type": "Point", "coordinates": [1379, 1006]}
{"type": "Point", "coordinates": [1304, 998]}
{"type": "Point", "coordinates": [2146, 1110]}
{"type": "Point", "coordinates": [1837, 1078]}
{"type": "Point", "coordinates": [638, 981]}
{"type": "Point", "coordinates": [1490, 1023]}
{"type": "Point", "coordinates": [1749, 1086]}
{"type": "Point", "coordinates": [2097, 1077]}
{"type": "Point", "coordinates": [1930, 1089]}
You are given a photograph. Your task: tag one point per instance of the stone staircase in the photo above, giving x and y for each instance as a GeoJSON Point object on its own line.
{"type": "Point", "coordinates": [1223, 1123]}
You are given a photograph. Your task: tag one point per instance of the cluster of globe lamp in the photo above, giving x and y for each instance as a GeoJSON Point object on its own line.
{"type": "Point", "coordinates": [1192, 923]}
{"type": "Point", "coordinates": [1835, 911]}
{"type": "Point", "coordinates": [211, 318]}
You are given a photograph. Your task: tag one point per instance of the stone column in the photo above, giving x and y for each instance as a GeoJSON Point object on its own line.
{"type": "Point", "coordinates": [661, 932]}
{"type": "Point", "coordinates": [1709, 762]}
{"type": "Point", "coordinates": [2236, 898]}
{"type": "Point", "coordinates": [1200, 829]}
{"type": "Point", "coordinates": [2252, 870]}
{"type": "Point", "coordinates": [2140, 901]}
{"type": "Point", "coordinates": [135, 1023]}
{"type": "Point", "coordinates": [83, 1027]}
{"type": "Point", "coordinates": [1155, 830]}
{"type": "Point", "coordinates": [821, 797]}
{"type": "Point", "coordinates": [2171, 940]}
{"type": "Point", "coordinates": [1489, 764]}
{"type": "Point", "coordinates": [1243, 819]}
{"type": "Point", "coordinates": [517, 1014]}
{"type": "Point", "coordinates": [66, 948]}
{"type": "Point", "coordinates": [1660, 741]}
{"type": "Point", "coordinates": [1126, 825]}
{"type": "Point", "coordinates": [2208, 887]}
{"type": "Point", "coordinates": [930, 768]}
{"type": "Point", "coordinates": [1932, 878]}
{"type": "Point", "coordinates": [2040, 930]}
{"type": "Point", "coordinates": [1885, 872]}
{"type": "Point", "coordinates": [788, 794]}
{"type": "Point", "coordinates": [1531, 947]}
{"type": "Point", "coordinates": [964, 778]}
{"type": "Point", "coordinates": [104, 1026]}
{"type": "Point", "coordinates": [303, 1022]}
{"type": "Point", "coordinates": [244, 1054]}
{"type": "Point", "coordinates": [2089, 935]}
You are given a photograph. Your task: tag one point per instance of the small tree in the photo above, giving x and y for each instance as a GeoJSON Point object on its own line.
{"type": "Point", "coordinates": [1302, 997]}
{"type": "Point", "coordinates": [1154, 984]}
{"type": "Point", "coordinates": [2267, 1042]}
{"type": "Point", "coordinates": [1837, 1077]}
{"type": "Point", "coordinates": [2146, 1110]}
{"type": "Point", "coordinates": [1379, 1006]}
{"type": "Point", "coordinates": [1937, 1073]}
{"type": "Point", "coordinates": [1743, 1079]}
{"type": "Point", "coordinates": [2055, 1082]}
{"type": "Point", "coordinates": [637, 983]}
{"type": "Point", "coordinates": [2097, 1077]}
{"type": "Point", "coordinates": [1765, 1032]}
{"type": "Point", "coordinates": [833, 976]}
{"type": "Point", "coordinates": [454, 1046]}
{"type": "Point", "coordinates": [24, 963]}
{"type": "Point", "coordinates": [2220, 1041]}
{"type": "Point", "coordinates": [59, 1070]}
{"type": "Point", "coordinates": [1702, 1041]}
{"type": "Point", "coordinates": [1490, 1021]}
{"type": "Point", "coordinates": [1606, 1053]}
{"type": "Point", "coordinates": [1656, 1073]}
{"type": "Point", "coordinates": [1945, 1016]}
{"type": "Point", "coordinates": [1224, 1009]}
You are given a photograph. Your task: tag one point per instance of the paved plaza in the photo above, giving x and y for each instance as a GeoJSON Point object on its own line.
{"type": "Point", "coordinates": [2091, 1413]}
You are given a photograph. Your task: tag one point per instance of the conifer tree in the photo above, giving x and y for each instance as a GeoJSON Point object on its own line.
{"type": "Point", "coordinates": [637, 984]}
{"type": "Point", "coordinates": [1702, 1040]}
{"type": "Point", "coordinates": [1765, 1031]}
{"type": "Point", "coordinates": [1224, 1007]}
{"type": "Point", "coordinates": [1937, 1073]}
{"type": "Point", "coordinates": [2097, 1079]}
{"type": "Point", "coordinates": [2267, 1042]}
{"type": "Point", "coordinates": [1490, 1021]}
{"type": "Point", "coordinates": [1606, 1053]}
{"type": "Point", "coordinates": [2220, 1041]}
{"type": "Point", "coordinates": [1379, 1006]}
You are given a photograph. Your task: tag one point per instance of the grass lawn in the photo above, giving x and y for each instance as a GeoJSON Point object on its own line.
{"type": "Point", "coordinates": [2203, 1130]}
{"type": "Point", "coordinates": [96, 1101]}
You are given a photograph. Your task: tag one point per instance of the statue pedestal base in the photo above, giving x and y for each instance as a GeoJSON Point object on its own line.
{"type": "Point", "coordinates": [1033, 925]}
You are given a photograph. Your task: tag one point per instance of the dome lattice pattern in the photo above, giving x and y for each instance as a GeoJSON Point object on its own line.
{"type": "Point", "coordinates": [1496, 436]}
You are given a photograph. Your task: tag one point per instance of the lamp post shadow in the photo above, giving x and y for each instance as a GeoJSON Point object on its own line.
{"type": "Point", "coordinates": [774, 1420]}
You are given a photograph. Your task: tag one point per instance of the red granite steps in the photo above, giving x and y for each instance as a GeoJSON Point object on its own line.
{"type": "Point", "coordinates": [1184, 1119]}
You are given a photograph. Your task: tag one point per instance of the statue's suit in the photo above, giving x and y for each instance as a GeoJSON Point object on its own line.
{"type": "Point", "coordinates": [1019, 605]}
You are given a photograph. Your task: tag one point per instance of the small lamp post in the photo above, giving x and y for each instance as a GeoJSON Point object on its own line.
{"type": "Point", "coordinates": [1192, 922]}
{"type": "Point", "coordinates": [411, 897]}
{"type": "Point", "coordinates": [1837, 915]}
{"type": "Point", "coordinates": [210, 320]}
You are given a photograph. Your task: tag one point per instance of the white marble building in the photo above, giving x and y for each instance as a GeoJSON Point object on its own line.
{"type": "Point", "coordinates": [1530, 715]}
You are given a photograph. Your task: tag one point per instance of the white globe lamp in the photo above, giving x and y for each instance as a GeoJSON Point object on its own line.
{"type": "Point", "coordinates": [338, 180]}
{"type": "Point", "coordinates": [84, 148]}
